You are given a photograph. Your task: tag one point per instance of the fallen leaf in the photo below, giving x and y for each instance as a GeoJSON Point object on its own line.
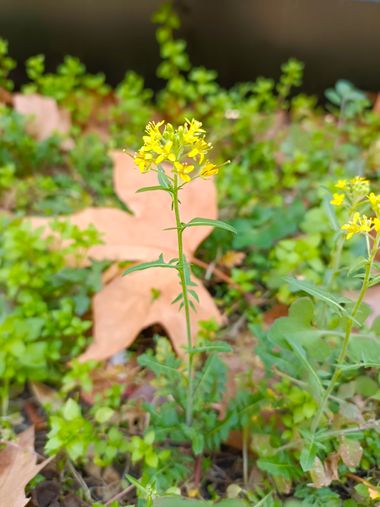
{"type": "Point", "coordinates": [319, 475]}
{"type": "Point", "coordinates": [18, 466]}
{"type": "Point", "coordinates": [231, 259]}
{"type": "Point", "coordinates": [274, 313]}
{"type": "Point", "coordinates": [46, 396]}
{"type": "Point", "coordinates": [6, 97]}
{"type": "Point", "coordinates": [46, 118]}
{"type": "Point", "coordinates": [33, 415]}
{"type": "Point", "coordinates": [351, 452]}
{"type": "Point", "coordinates": [125, 306]}
{"type": "Point", "coordinates": [331, 465]}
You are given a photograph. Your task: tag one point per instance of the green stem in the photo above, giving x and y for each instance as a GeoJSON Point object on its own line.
{"type": "Point", "coordinates": [245, 455]}
{"type": "Point", "coordinates": [186, 304]}
{"type": "Point", "coordinates": [5, 398]}
{"type": "Point", "coordinates": [346, 340]}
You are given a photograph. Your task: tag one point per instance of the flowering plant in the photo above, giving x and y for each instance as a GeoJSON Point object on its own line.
{"type": "Point", "coordinates": [184, 149]}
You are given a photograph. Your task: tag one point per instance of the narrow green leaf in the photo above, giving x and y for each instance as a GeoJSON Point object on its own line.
{"type": "Point", "coordinates": [213, 347]}
{"type": "Point", "coordinates": [357, 366]}
{"type": "Point", "coordinates": [153, 364]}
{"type": "Point", "coordinates": [149, 189]}
{"type": "Point", "coordinates": [176, 299]}
{"type": "Point", "coordinates": [194, 294]}
{"type": "Point", "coordinates": [313, 376]}
{"type": "Point", "coordinates": [333, 301]}
{"type": "Point", "coordinates": [198, 222]}
{"type": "Point", "coordinates": [163, 179]}
{"type": "Point", "coordinates": [159, 263]}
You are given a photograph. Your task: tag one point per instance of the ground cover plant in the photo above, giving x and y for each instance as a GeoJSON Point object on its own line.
{"type": "Point", "coordinates": [189, 306]}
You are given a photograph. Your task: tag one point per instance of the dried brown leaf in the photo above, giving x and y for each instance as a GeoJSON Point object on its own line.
{"type": "Point", "coordinates": [125, 306]}
{"type": "Point", "coordinates": [351, 452]}
{"type": "Point", "coordinates": [45, 395]}
{"type": "Point", "coordinates": [319, 475]}
{"type": "Point", "coordinates": [323, 473]}
{"type": "Point", "coordinates": [46, 118]}
{"type": "Point", "coordinates": [18, 466]}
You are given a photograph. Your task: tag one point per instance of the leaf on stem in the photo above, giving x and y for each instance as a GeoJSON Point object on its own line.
{"type": "Point", "coordinates": [199, 222]}
{"type": "Point", "coordinates": [159, 263]}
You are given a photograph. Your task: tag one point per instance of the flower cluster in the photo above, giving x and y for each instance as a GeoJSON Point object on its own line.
{"type": "Point", "coordinates": [355, 191]}
{"type": "Point", "coordinates": [185, 148]}
{"type": "Point", "coordinates": [360, 224]}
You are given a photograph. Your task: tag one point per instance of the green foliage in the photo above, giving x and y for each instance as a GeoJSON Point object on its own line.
{"type": "Point", "coordinates": [348, 99]}
{"type": "Point", "coordinates": [18, 147]}
{"type": "Point", "coordinates": [292, 74]}
{"type": "Point", "coordinates": [132, 111]}
{"type": "Point", "coordinates": [7, 64]}
{"type": "Point", "coordinates": [90, 160]}
{"type": "Point", "coordinates": [71, 86]}
{"type": "Point", "coordinates": [189, 91]}
{"type": "Point", "coordinates": [43, 302]}
{"type": "Point", "coordinates": [169, 418]}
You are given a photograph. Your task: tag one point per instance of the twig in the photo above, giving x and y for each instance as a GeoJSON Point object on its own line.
{"type": "Point", "coordinates": [80, 481]}
{"type": "Point", "coordinates": [120, 495]}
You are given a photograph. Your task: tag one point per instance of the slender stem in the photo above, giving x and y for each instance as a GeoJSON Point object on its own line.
{"type": "Point", "coordinates": [186, 304]}
{"type": "Point", "coordinates": [245, 455]}
{"type": "Point", "coordinates": [120, 495]}
{"type": "Point", "coordinates": [5, 398]}
{"type": "Point", "coordinates": [346, 340]}
{"type": "Point", "coordinates": [335, 261]}
{"type": "Point", "coordinates": [81, 482]}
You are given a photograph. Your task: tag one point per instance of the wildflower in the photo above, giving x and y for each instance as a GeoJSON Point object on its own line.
{"type": "Point", "coordinates": [337, 199]}
{"type": "Point", "coordinates": [359, 180]}
{"type": "Point", "coordinates": [376, 224]}
{"type": "Point", "coordinates": [185, 148]}
{"type": "Point", "coordinates": [341, 185]}
{"type": "Point", "coordinates": [184, 170]}
{"type": "Point", "coordinates": [359, 224]}
{"type": "Point", "coordinates": [374, 201]}
{"type": "Point", "coordinates": [208, 169]}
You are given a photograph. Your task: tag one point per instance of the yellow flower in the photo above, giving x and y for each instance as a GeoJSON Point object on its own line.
{"type": "Point", "coordinates": [341, 185]}
{"type": "Point", "coordinates": [337, 199]}
{"type": "Point", "coordinates": [376, 224]}
{"type": "Point", "coordinates": [183, 170]}
{"type": "Point", "coordinates": [209, 169]}
{"type": "Point", "coordinates": [374, 201]}
{"type": "Point", "coordinates": [144, 160]}
{"type": "Point", "coordinates": [184, 147]}
{"type": "Point", "coordinates": [359, 224]}
{"type": "Point", "coordinates": [359, 180]}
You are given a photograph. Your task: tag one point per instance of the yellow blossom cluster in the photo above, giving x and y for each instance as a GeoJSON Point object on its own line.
{"type": "Point", "coordinates": [184, 147]}
{"type": "Point", "coordinates": [360, 224]}
{"type": "Point", "coordinates": [356, 191]}
{"type": "Point", "coordinates": [353, 189]}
